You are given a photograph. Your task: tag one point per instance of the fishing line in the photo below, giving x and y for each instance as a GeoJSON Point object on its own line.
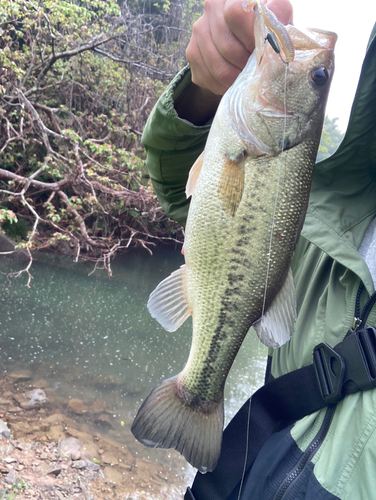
{"type": "Point", "coordinates": [281, 165]}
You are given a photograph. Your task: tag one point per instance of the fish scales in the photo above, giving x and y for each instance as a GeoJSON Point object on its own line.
{"type": "Point", "coordinates": [223, 320]}
{"type": "Point", "coordinates": [250, 192]}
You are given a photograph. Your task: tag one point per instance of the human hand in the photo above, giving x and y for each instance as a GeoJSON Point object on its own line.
{"type": "Point", "coordinates": [222, 41]}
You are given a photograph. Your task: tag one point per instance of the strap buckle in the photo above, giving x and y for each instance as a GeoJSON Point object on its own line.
{"type": "Point", "coordinates": [348, 367]}
{"type": "Point", "coordinates": [330, 370]}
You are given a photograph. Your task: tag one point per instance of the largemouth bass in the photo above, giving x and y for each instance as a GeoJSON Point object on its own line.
{"type": "Point", "coordinates": [249, 191]}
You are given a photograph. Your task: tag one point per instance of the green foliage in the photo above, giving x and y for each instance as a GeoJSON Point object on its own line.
{"type": "Point", "coordinates": [331, 138]}
{"type": "Point", "coordinates": [77, 82]}
{"type": "Point", "coordinates": [18, 487]}
{"type": "Point", "coordinates": [17, 231]}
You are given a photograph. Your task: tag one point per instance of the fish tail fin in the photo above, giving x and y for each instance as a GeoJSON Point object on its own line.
{"type": "Point", "coordinates": [169, 418]}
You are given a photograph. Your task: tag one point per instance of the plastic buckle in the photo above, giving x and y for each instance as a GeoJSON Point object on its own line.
{"type": "Point", "coordinates": [348, 367]}
{"type": "Point", "coordinates": [359, 350]}
{"type": "Point", "coordinates": [330, 371]}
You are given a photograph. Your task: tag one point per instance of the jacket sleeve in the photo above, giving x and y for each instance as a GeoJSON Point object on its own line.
{"type": "Point", "coordinates": [172, 146]}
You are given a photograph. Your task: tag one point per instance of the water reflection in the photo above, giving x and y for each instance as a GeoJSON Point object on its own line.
{"type": "Point", "coordinates": [92, 337]}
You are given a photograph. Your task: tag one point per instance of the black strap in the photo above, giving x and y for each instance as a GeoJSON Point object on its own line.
{"type": "Point", "coordinates": [348, 368]}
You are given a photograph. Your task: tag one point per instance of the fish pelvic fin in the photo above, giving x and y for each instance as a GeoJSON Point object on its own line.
{"type": "Point", "coordinates": [277, 325]}
{"type": "Point", "coordinates": [193, 175]}
{"type": "Point", "coordinates": [231, 183]}
{"type": "Point", "coordinates": [171, 418]}
{"type": "Point", "coordinates": [168, 303]}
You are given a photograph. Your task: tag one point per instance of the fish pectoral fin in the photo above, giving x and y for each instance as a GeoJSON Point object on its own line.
{"type": "Point", "coordinates": [193, 175]}
{"type": "Point", "coordinates": [278, 323]}
{"type": "Point", "coordinates": [231, 183]}
{"type": "Point", "coordinates": [168, 303]}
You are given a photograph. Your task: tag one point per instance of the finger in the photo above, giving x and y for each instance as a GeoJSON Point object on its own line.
{"type": "Point", "coordinates": [240, 23]}
{"type": "Point", "coordinates": [224, 40]}
{"type": "Point", "coordinates": [209, 69]}
{"type": "Point", "coordinates": [201, 75]}
{"type": "Point", "coordinates": [282, 9]}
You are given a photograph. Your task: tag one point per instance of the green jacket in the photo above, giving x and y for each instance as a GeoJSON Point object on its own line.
{"type": "Point", "coordinates": [327, 270]}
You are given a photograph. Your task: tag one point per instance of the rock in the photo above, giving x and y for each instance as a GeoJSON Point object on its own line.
{"type": "Point", "coordinates": [121, 449]}
{"type": "Point", "coordinates": [20, 398]}
{"type": "Point", "coordinates": [7, 245]}
{"type": "Point", "coordinates": [40, 384]}
{"type": "Point", "coordinates": [90, 451]}
{"type": "Point", "coordinates": [4, 431]}
{"type": "Point", "coordinates": [112, 475]}
{"type": "Point", "coordinates": [5, 450]}
{"type": "Point", "coordinates": [79, 464]}
{"type": "Point", "coordinates": [56, 418]}
{"type": "Point", "coordinates": [5, 402]}
{"type": "Point", "coordinates": [55, 471]}
{"type": "Point", "coordinates": [32, 400]}
{"type": "Point", "coordinates": [109, 459]}
{"type": "Point", "coordinates": [22, 446]}
{"type": "Point", "coordinates": [104, 421]}
{"type": "Point", "coordinates": [20, 428]}
{"type": "Point", "coordinates": [71, 447]}
{"type": "Point", "coordinates": [9, 460]}
{"type": "Point", "coordinates": [92, 466]}
{"type": "Point", "coordinates": [56, 432]}
{"type": "Point", "coordinates": [99, 406]}
{"type": "Point", "coordinates": [11, 477]}
{"type": "Point", "coordinates": [14, 409]}
{"type": "Point", "coordinates": [77, 406]}
{"type": "Point", "coordinates": [20, 376]}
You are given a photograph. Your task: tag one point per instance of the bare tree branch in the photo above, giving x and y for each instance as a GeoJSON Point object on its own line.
{"type": "Point", "coordinates": [90, 45]}
{"type": "Point", "coordinates": [44, 186]}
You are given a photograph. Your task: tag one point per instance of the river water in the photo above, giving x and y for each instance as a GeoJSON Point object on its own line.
{"type": "Point", "coordinates": [90, 336]}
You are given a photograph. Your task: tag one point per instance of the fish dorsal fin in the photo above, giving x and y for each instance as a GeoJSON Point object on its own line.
{"type": "Point", "coordinates": [168, 303]}
{"type": "Point", "coordinates": [231, 183]}
{"type": "Point", "coordinates": [193, 175]}
{"type": "Point", "coordinates": [278, 323]}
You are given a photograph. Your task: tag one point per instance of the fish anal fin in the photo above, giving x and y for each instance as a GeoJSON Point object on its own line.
{"type": "Point", "coordinates": [193, 175]}
{"type": "Point", "coordinates": [231, 183]}
{"type": "Point", "coordinates": [168, 303]}
{"type": "Point", "coordinates": [277, 325]}
{"type": "Point", "coordinates": [166, 419]}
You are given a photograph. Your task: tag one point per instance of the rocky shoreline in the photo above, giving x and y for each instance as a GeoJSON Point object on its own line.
{"type": "Point", "coordinates": [50, 454]}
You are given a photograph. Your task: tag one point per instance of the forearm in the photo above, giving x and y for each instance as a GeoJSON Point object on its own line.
{"type": "Point", "coordinates": [172, 144]}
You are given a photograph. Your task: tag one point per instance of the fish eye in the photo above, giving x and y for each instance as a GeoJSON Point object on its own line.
{"type": "Point", "coordinates": [319, 75]}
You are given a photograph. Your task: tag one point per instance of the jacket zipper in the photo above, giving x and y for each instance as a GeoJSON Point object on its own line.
{"type": "Point", "coordinates": [360, 318]}
{"type": "Point", "coordinates": [313, 447]}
